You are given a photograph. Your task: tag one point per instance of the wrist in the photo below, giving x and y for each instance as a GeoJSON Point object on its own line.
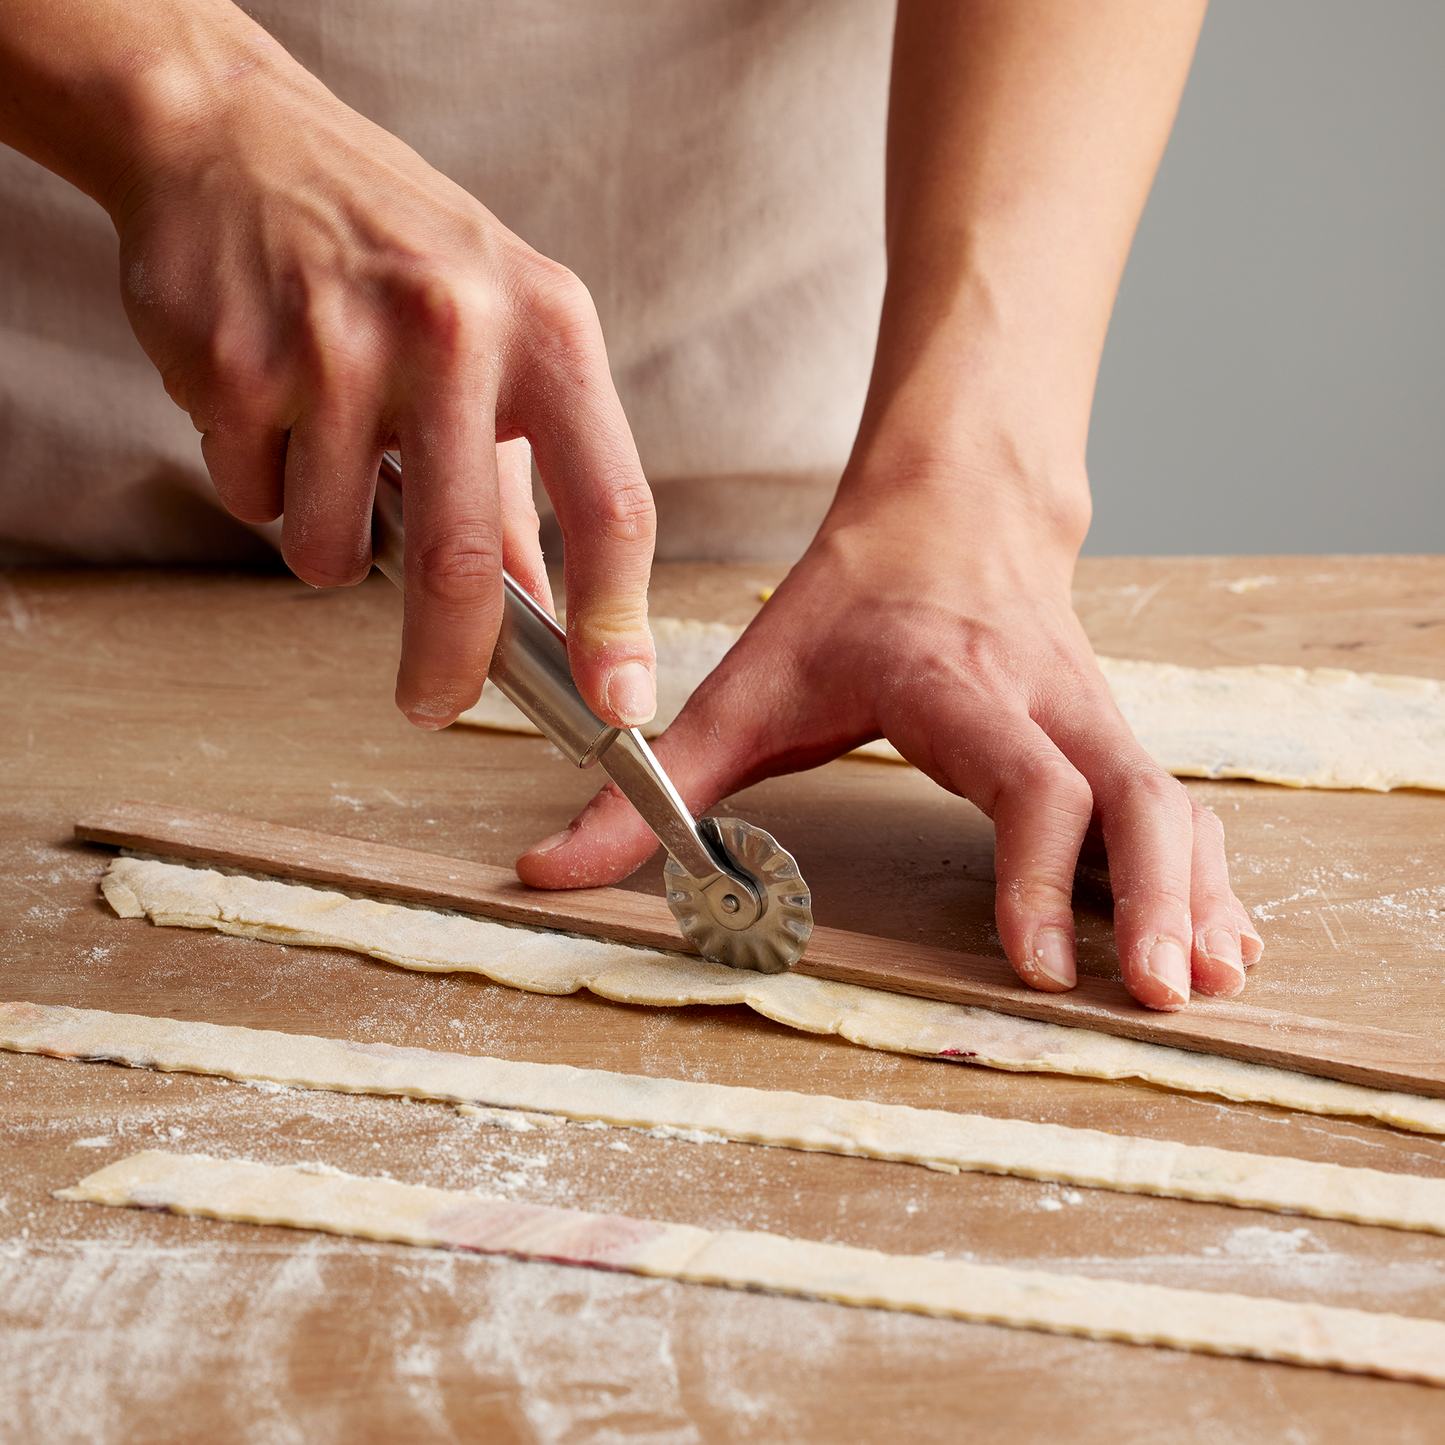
{"type": "Point", "coordinates": [183, 109]}
{"type": "Point", "coordinates": [110, 95]}
{"type": "Point", "coordinates": [973, 477]}
{"type": "Point", "coordinates": [968, 415]}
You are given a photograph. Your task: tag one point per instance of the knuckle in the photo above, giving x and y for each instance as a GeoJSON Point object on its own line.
{"type": "Point", "coordinates": [567, 335]}
{"type": "Point", "coordinates": [1161, 793]}
{"type": "Point", "coordinates": [625, 511]}
{"type": "Point", "coordinates": [238, 373]}
{"type": "Point", "coordinates": [325, 562]}
{"type": "Point", "coordinates": [1212, 907]}
{"type": "Point", "coordinates": [1066, 787]}
{"type": "Point", "coordinates": [342, 363]}
{"type": "Point", "coordinates": [1053, 783]}
{"type": "Point", "coordinates": [249, 497]}
{"type": "Point", "coordinates": [1208, 825]}
{"type": "Point", "coordinates": [454, 315]}
{"type": "Point", "coordinates": [1145, 915]}
{"type": "Point", "coordinates": [461, 569]}
{"type": "Point", "coordinates": [235, 371]}
{"type": "Point", "coordinates": [1035, 895]}
{"type": "Point", "coordinates": [559, 300]}
{"type": "Point", "coordinates": [613, 636]}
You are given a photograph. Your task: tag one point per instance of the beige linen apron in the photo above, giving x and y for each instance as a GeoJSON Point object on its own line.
{"type": "Point", "coordinates": [711, 169]}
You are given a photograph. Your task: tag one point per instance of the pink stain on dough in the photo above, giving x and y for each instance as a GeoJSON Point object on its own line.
{"type": "Point", "coordinates": [540, 1231]}
{"type": "Point", "coordinates": [53, 1045]}
{"type": "Point", "coordinates": [25, 1013]}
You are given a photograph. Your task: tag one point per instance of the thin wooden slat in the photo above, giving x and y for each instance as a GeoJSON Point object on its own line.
{"type": "Point", "coordinates": [1354, 1053]}
{"type": "Point", "coordinates": [401, 874]}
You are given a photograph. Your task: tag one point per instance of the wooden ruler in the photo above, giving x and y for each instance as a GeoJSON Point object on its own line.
{"type": "Point", "coordinates": [1354, 1053]}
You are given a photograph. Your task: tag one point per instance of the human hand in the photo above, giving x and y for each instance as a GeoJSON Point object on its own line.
{"type": "Point", "coordinates": [313, 293]}
{"type": "Point", "coordinates": [933, 608]}
{"type": "Point", "coordinates": [956, 641]}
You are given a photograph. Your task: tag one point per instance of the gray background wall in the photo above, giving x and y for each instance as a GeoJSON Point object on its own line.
{"type": "Point", "coordinates": [1274, 378]}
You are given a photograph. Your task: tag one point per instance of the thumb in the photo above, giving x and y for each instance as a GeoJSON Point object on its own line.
{"type": "Point", "coordinates": [605, 842]}
{"type": "Point", "coordinates": [608, 839]}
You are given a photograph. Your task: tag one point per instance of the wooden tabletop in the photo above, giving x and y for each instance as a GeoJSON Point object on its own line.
{"type": "Point", "coordinates": [260, 696]}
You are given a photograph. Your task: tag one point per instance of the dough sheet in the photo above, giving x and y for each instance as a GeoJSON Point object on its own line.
{"type": "Point", "coordinates": [1304, 728]}
{"type": "Point", "coordinates": [1320, 727]}
{"type": "Point", "coordinates": [933, 1138]}
{"type": "Point", "coordinates": [172, 895]}
{"type": "Point", "coordinates": [317, 1197]}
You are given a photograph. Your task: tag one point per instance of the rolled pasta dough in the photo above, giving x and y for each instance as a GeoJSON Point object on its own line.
{"type": "Point", "coordinates": [383, 1209]}
{"type": "Point", "coordinates": [933, 1138]}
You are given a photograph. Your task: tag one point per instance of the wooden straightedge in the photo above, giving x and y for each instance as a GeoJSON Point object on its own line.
{"type": "Point", "coordinates": [1354, 1053]}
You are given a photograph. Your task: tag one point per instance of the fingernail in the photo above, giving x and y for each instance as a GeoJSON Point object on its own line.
{"type": "Point", "coordinates": [1170, 965]}
{"type": "Point", "coordinates": [1248, 934]}
{"type": "Point", "coordinates": [555, 841]}
{"type": "Point", "coordinates": [1220, 945]}
{"type": "Point", "coordinates": [1223, 947]}
{"type": "Point", "coordinates": [430, 713]}
{"type": "Point", "coordinates": [1054, 955]}
{"type": "Point", "coordinates": [631, 694]}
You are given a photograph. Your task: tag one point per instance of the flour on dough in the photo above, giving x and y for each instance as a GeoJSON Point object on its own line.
{"type": "Point", "coordinates": [521, 1095]}
{"type": "Point", "coordinates": [1225, 1324]}
{"type": "Point", "coordinates": [1319, 728]}
{"type": "Point", "coordinates": [172, 895]}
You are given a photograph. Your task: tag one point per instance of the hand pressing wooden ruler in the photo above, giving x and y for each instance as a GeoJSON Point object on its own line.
{"type": "Point", "coordinates": [1354, 1053]}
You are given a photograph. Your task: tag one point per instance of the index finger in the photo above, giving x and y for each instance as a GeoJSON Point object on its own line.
{"type": "Point", "coordinates": [565, 403]}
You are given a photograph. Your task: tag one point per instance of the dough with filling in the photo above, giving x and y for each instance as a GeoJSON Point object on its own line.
{"type": "Point", "coordinates": [322, 1198]}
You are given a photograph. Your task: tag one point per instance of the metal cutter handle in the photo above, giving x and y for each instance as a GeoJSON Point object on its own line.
{"type": "Point", "coordinates": [530, 667]}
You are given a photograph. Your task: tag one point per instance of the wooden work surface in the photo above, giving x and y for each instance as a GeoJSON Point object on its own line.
{"type": "Point", "coordinates": [260, 696]}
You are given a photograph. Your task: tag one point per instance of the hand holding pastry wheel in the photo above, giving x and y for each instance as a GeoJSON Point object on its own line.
{"type": "Point", "coordinates": [737, 896]}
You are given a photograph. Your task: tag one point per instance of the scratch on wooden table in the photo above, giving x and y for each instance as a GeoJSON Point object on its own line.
{"type": "Point", "coordinates": [1146, 598]}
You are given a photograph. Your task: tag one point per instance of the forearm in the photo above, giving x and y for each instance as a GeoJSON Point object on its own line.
{"type": "Point", "coordinates": [103, 91]}
{"type": "Point", "coordinates": [1023, 138]}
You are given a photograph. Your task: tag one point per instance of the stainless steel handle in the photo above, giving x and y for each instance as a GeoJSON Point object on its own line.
{"type": "Point", "coordinates": [529, 665]}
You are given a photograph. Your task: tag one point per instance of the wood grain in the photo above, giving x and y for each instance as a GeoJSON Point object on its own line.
{"type": "Point", "coordinates": [266, 697]}
{"type": "Point", "coordinates": [1354, 1053]}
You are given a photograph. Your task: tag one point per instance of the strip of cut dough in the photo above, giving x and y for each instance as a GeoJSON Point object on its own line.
{"type": "Point", "coordinates": [931, 1137]}
{"type": "Point", "coordinates": [1320, 727]}
{"type": "Point", "coordinates": [1305, 728]}
{"type": "Point", "coordinates": [172, 895]}
{"type": "Point", "coordinates": [325, 1199]}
